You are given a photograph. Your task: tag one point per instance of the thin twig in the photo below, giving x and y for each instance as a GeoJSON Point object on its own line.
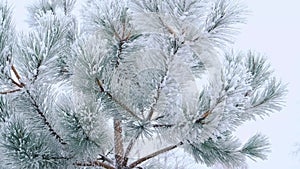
{"type": "Point", "coordinates": [105, 158]}
{"type": "Point", "coordinates": [203, 117]}
{"type": "Point", "coordinates": [163, 125]}
{"type": "Point", "coordinates": [129, 148]}
{"type": "Point", "coordinates": [100, 85]}
{"type": "Point", "coordinates": [128, 36]}
{"type": "Point", "coordinates": [123, 30]}
{"type": "Point", "coordinates": [35, 105]}
{"type": "Point", "coordinates": [15, 72]}
{"type": "Point", "coordinates": [208, 112]}
{"type": "Point", "coordinates": [10, 91]}
{"type": "Point", "coordinates": [46, 157]}
{"type": "Point", "coordinates": [94, 163]}
{"type": "Point", "coordinates": [164, 150]}
{"type": "Point", "coordinates": [118, 36]}
{"type": "Point", "coordinates": [170, 30]}
{"type": "Point", "coordinates": [20, 85]}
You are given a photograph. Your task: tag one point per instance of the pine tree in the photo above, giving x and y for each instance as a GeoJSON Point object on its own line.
{"type": "Point", "coordinates": [140, 84]}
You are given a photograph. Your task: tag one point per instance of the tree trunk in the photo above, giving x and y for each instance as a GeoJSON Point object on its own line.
{"type": "Point", "coordinates": [118, 141]}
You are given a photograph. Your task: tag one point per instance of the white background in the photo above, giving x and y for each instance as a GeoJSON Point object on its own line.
{"type": "Point", "coordinates": [273, 29]}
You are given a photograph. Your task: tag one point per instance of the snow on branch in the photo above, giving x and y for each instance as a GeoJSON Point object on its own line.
{"type": "Point", "coordinates": [141, 79]}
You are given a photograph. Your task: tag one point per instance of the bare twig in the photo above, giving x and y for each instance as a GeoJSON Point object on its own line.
{"type": "Point", "coordinates": [164, 150]}
{"type": "Point", "coordinates": [100, 85]}
{"type": "Point", "coordinates": [203, 117]}
{"type": "Point", "coordinates": [118, 36]}
{"type": "Point", "coordinates": [18, 84]}
{"type": "Point", "coordinates": [169, 29]}
{"type": "Point", "coordinates": [163, 125]}
{"type": "Point", "coordinates": [208, 112]}
{"type": "Point", "coordinates": [10, 91]}
{"type": "Point", "coordinates": [15, 72]}
{"type": "Point", "coordinates": [93, 163]}
{"type": "Point", "coordinates": [128, 36]}
{"type": "Point", "coordinates": [123, 30]}
{"type": "Point", "coordinates": [105, 158]}
{"type": "Point", "coordinates": [129, 148]}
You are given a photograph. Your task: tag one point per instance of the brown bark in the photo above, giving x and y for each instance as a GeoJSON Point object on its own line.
{"type": "Point", "coordinates": [164, 150]}
{"type": "Point", "coordinates": [15, 72]}
{"type": "Point", "coordinates": [203, 117]}
{"type": "Point", "coordinates": [105, 158]}
{"type": "Point", "coordinates": [118, 143]}
{"type": "Point", "coordinates": [129, 148]}
{"type": "Point", "coordinates": [10, 91]}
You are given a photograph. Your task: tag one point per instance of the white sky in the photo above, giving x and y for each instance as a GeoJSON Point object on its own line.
{"type": "Point", "coordinates": [273, 29]}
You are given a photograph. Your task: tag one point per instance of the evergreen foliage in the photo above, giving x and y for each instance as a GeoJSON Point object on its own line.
{"type": "Point", "coordinates": [138, 81]}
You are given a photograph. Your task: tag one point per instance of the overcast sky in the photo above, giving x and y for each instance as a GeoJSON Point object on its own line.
{"type": "Point", "coordinates": [273, 29]}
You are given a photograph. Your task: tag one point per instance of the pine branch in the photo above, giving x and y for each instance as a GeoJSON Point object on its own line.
{"type": "Point", "coordinates": [163, 80]}
{"type": "Point", "coordinates": [34, 103]}
{"type": "Point", "coordinates": [256, 147]}
{"type": "Point", "coordinates": [120, 50]}
{"type": "Point", "coordinates": [222, 23]}
{"type": "Point", "coordinates": [42, 115]}
{"type": "Point", "coordinates": [161, 151]}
